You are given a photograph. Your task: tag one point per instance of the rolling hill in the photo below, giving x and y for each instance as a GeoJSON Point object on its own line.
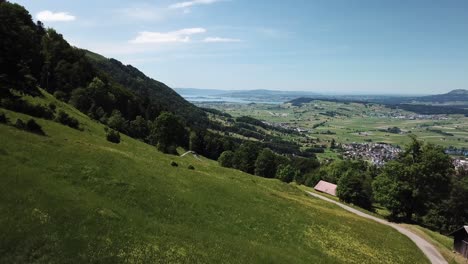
{"type": "Point", "coordinates": [459, 95]}
{"type": "Point", "coordinates": [72, 196]}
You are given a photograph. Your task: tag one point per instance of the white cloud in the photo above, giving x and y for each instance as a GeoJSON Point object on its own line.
{"type": "Point", "coordinates": [49, 16]}
{"type": "Point", "coordinates": [192, 3]}
{"type": "Point", "coordinates": [218, 39]}
{"type": "Point", "coordinates": [182, 35]}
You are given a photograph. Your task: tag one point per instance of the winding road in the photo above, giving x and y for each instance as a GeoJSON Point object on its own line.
{"type": "Point", "coordinates": [428, 249]}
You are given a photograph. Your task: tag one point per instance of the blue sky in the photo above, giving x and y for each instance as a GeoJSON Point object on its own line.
{"type": "Point", "coordinates": [335, 46]}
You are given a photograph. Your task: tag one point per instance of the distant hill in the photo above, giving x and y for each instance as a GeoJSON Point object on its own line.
{"type": "Point", "coordinates": [459, 95]}
{"type": "Point", "coordinates": [262, 92]}
{"type": "Point", "coordinates": [268, 95]}
{"type": "Point", "coordinates": [199, 92]}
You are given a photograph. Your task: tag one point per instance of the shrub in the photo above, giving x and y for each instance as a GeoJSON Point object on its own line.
{"type": "Point", "coordinates": [20, 124]}
{"type": "Point", "coordinates": [34, 127]}
{"type": "Point", "coordinates": [67, 120]}
{"type": "Point", "coordinates": [52, 107]}
{"type": "Point", "coordinates": [113, 136]}
{"type": "Point", "coordinates": [286, 173]}
{"type": "Point", "coordinates": [60, 95]}
{"type": "Point", "coordinates": [226, 159]}
{"type": "Point", "coordinates": [22, 106]}
{"type": "Point", "coordinates": [3, 118]}
{"type": "Point", "coordinates": [190, 167]}
{"type": "Point", "coordinates": [174, 164]}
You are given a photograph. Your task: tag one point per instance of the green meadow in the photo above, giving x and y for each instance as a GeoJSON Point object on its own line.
{"type": "Point", "coordinates": [73, 197]}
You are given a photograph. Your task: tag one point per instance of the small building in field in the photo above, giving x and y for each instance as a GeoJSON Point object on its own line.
{"type": "Point", "coordinates": [326, 187]}
{"type": "Point", "coordinates": [460, 241]}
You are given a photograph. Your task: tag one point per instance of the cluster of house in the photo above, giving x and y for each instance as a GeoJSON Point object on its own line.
{"type": "Point", "coordinates": [286, 126]}
{"type": "Point", "coordinates": [377, 153]}
{"type": "Point", "coordinates": [410, 116]}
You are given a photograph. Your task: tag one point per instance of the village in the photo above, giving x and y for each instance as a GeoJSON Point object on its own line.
{"type": "Point", "coordinates": [377, 153]}
{"type": "Point", "coordinates": [409, 116]}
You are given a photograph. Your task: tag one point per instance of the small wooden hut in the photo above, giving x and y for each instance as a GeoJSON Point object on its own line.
{"type": "Point", "coordinates": [460, 241]}
{"type": "Point", "coordinates": [326, 187]}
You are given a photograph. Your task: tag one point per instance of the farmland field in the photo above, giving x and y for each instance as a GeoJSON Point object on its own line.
{"type": "Point", "coordinates": [323, 121]}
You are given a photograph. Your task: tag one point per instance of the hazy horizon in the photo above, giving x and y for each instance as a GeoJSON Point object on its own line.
{"type": "Point", "coordinates": [337, 46]}
{"type": "Point", "coordinates": [319, 92]}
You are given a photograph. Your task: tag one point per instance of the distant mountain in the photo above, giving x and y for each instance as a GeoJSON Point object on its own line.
{"type": "Point", "coordinates": [258, 95]}
{"type": "Point", "coordinates": [262, 92]}
{"type": "Point", "coordinates": [459, 95]}
{"type": "Point", "coordinates": [199, 92]}
{"type": "Point", "coordinates": [269, 95]}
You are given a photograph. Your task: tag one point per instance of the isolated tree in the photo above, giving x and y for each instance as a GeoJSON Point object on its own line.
{"type": "Point", "coordinates": [265, 165]}
{"type": "Point", "coordinates": [226, 159]}
{"type": "Point", "coordinates": [168, 132]}
{"type": "Point", "coordinates": [117, 122]}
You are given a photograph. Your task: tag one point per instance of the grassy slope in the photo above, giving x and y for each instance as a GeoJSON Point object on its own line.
{"type": "Point", "coordinates": [74, 197]}
{"type": "Point", "coordinates": [443, 243]}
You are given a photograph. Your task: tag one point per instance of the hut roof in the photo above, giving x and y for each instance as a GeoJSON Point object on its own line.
{"type": "Point", "coordinates": [463, 228]}
{"type": "Point", "coordinates": [326, 187]}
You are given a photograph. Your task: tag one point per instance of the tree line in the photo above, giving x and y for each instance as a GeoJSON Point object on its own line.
{"type": "Point", "coordinates": [421, 186]}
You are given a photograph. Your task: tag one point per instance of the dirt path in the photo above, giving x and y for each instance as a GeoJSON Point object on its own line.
{"type": "Point", "coordinates": [429, 250]}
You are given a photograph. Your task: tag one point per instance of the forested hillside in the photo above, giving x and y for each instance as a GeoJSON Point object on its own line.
{"type": "Point", "coordinates": [97, 86]}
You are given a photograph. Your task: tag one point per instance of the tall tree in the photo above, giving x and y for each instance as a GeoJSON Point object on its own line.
{"type": "Point", "coordinates": [286, 173]}
{"type": "Point", "coordinates": [416, 181]}
{"type": "Point", "coordinates": [168, 132]}
{"type": "Point", "coordinates": [355, 187]}
{"type": "Point", "coordinates": [246, 155]}
{"type": "Point", "coordinates": [265, 165]}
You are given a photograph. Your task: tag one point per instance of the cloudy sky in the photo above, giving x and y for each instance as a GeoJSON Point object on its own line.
{"type": "Point", "coordinates": [340, 46]}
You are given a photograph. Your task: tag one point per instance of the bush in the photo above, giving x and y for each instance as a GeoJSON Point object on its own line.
{"type": "Point", "coordinates": [20, 124]}
{"type": "Point", "coordinates": [113, 136]}
{"type": "Point", "coordinates": [67, 120]}
{"type": "Point", "coordinates": [174, 164]}
{"type": "Point", "coordinates": [226, 159]}
{"type": "Point", "coordinates": [3, 118]}
{"type": "Point", "coordinates": [286, 173]}
{"type": "Point", "coordinates": [60, 95]}
{"type": "Point", "coordinates": [190, 167]}
{"type": "Point", "coordinates": [22, 106]}
{"type": "Point", "coordinates": [34, 127]}
{"type": "Point", "coordinates": [52, 107]}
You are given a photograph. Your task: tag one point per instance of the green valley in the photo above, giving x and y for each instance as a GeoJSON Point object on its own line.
{"type": "Point", "coordinates": [72, 196]}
